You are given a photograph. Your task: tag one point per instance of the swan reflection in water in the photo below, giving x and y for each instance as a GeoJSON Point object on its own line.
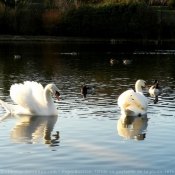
{"type": "Point", "coordinates": [30, 129]}
{"type": "Point", "coordinates": [132, 127]}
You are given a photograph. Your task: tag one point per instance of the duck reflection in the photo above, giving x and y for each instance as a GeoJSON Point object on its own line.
{"type": "Point", "coordinates": [30, 129]}
{"type": "Point", "coordinates": [132, 127]}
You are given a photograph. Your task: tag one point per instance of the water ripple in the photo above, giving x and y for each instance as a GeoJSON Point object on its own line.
{"type": "Point", "coordinates": [92, 133]}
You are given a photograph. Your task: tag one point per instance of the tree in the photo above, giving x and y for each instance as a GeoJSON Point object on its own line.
{"type": "Point", "coordinates": [171, 4]}
{"type": "Point", "coordinates": [14, 3]}
{"type": "Point", "coordinates": [145, 21]}
{"type": "Point", "coordinates": [161, 2]}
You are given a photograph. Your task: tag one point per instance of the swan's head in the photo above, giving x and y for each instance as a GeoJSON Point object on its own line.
{"type": "Point", "coordinates": [140, 84]}
{"type": "Point", "coordinates": [54, 90]}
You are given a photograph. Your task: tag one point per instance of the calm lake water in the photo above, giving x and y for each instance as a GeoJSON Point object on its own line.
{"type": "Point", "coordinates": [93, 139]}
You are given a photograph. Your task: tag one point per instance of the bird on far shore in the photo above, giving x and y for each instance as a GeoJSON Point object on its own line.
{"type": "Point", "coordinates": [17, 57]}
{"type": "Point", "coordinates": [113, 61]}
{"type": "Point", "coordinates": [127, 61]}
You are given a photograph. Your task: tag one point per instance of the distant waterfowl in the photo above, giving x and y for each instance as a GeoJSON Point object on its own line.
{"type": "Point", "coordinates": [71, 53]}
{"type": "Point", "coordinates": [16, 57]}
{"type": "Point", "coordinates": [74, 53]}
{"type": "Point", "coordinates": [113, 61]}
{"type": "Point", "coordinates": [127, 61]}
{"type": "Point", "coordinates": [134, 103]}
{"type": "Point", "coordinates": [86, 89]}
{"type": "Point", "coordinates": [155, 89]}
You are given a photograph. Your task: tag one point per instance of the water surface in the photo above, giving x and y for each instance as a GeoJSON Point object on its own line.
{"type": "Point", "coordinates": [93, 139]}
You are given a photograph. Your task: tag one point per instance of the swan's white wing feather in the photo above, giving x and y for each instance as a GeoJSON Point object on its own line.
{"type": "Point", "coordinates": [8, 107]}
{"type": "Point", "coordinates": [140, 100]}
{"type": "Point", "coordinates": [125, 99]}
{"type": "Point", "coordinates": [37, 90]}
{"type": "Point", "coordinates": [23, 96]}
{"type": "Point", "coordinates": [132, 99]}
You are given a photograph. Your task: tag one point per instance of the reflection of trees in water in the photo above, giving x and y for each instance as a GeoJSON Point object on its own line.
{"type": "Point", "coordinates": [132, 127]}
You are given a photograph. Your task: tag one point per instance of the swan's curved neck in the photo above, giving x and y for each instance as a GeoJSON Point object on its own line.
{"type": "Point", "coordinates": [138, 88]}
{"type": "Point", "coordinates": [47, 96]}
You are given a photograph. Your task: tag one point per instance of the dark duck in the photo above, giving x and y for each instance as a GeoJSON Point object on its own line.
{"type": "Point", "coordinates": [86, 89]}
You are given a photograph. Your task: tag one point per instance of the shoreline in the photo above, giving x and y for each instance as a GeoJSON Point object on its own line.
{"type": "Point", "coordinates": [48, 39]}
{"type": "Point", "coordinates": [12, 38]}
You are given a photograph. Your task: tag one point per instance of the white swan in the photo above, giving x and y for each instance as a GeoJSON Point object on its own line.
{"type": "Point", "coordinates": [32, 99]}
{"type": "Point", "coordinates": [134, 103]}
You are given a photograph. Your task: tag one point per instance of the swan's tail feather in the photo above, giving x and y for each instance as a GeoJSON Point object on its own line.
{"type": "Point", "coordinates": [4, 117]}
{"type": "Point", "coordinates": [8, 107]}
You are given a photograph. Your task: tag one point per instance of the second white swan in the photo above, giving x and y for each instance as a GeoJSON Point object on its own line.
{"type": "Point", "coordinates": [134, 103]}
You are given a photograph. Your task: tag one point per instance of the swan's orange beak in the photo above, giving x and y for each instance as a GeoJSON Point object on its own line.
{"type": "Point", "coordinates": [57, 95]}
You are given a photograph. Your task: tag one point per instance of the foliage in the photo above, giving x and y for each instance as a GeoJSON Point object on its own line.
{"type": "Point", "coordinates": [145, 20]}
{"type": "Point", "coordinates": [51, 21]}
{"type": "Point", "coordinates": [171, 4]}
{"type": "Point", "coordinates": [14, 3]}
{"type": "Point", "coordinates": [28, 23]}
{"type": "Point", "coordinates": [124, 20]}
{"type": "Point", "coordinates": [87, 18]}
